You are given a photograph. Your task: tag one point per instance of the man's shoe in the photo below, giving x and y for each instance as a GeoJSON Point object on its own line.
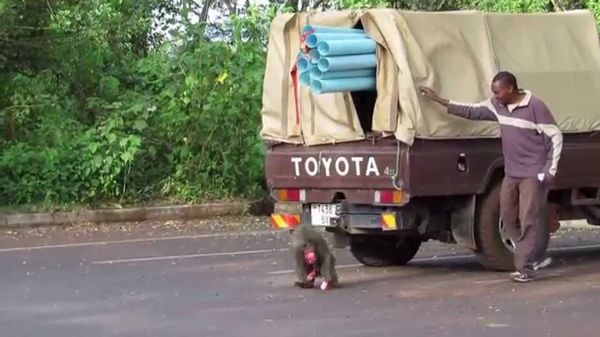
{"type": "Point", "coordinates": [521, 277]}
{"type": "Point", "coordinates": [542, 264]}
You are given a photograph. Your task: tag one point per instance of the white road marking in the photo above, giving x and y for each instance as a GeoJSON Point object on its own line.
{"type": "Point", "coordinates": [573, 248]}
{"type": "Point", "coordinates": [190, 256]}
{"type": "Point", "coordinates": [249, 252]}
{"type": "Point", "coordinates": [445, 258]}
{"type": "Point", "coordinates": [428, 259]}
{"type": "Point", "coordinates": [103, 243]}
{"type": "Point", "coordinates": [290, 271]}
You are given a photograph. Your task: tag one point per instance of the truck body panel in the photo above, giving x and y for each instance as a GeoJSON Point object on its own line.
{"type": "Point", "coordinates": [428, 168]}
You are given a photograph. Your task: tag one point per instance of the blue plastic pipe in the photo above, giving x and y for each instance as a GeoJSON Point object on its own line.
{"type": "Point", "coordinates": [338, 30]}
{"type": "Point", "coordinates": [346, 47]}
{"type": "Point", "coordinates": [342, 84]}
{"type": "Point", "coordinates": [314, 56]}
{"type": "Point", "coordinates": [329, 75]}
{"type": "Point", "coordinates": [315, 38]}
{"type": "Point", "coordinates": [305, 78]}
{"type": "Point", "coordinates": [352, 62]}
{"type": "Point", "coordinates": [316, 73]}
{"type": "Point", "coordinates": [303, 64]}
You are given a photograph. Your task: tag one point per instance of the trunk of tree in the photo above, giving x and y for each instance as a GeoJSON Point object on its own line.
{"type": "Point", "coordinates": [558, 7]}
{"type": "Point", "coordinates": [203, 17]}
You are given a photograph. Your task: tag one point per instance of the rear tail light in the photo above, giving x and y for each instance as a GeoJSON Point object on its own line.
{"type": "Point", "coordinates": [290, 194]}
{"type": "Point", "coordinates": [389, 197]}
{"type": "Point", "coordinates": [284, 220]}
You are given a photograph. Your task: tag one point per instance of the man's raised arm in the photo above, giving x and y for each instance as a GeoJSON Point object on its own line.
{"type": "Point", "coordinates": [478, 111]}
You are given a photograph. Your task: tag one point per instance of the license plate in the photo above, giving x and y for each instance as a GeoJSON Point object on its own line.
{"type": "Point", "coordinates": [323, 214]}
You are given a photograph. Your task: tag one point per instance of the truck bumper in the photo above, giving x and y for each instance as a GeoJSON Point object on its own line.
{"type": "Point", "coordinates": [357, 219]}
{"type": "Point", "coordinates": [352, 219]}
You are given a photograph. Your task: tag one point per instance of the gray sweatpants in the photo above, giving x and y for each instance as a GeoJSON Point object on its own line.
{"type": "Point", "coordinates": [523, 208]}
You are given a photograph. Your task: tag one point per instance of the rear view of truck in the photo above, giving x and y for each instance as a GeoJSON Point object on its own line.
{"type": "Point", "coordinates": [354, 190]}
{"type": "Point", "coordinates": [385, 171]}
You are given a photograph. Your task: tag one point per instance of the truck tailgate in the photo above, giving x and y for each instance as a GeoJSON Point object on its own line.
{"type": "Point", "coordinates": [357, 165]}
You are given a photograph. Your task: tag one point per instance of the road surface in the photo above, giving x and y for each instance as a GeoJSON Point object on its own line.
{"type": "Point", "coordinates": [210, 280]}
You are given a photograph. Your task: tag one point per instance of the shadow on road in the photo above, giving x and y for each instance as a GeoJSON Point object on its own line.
{"type": "Point", "coordinates": [575, 262]}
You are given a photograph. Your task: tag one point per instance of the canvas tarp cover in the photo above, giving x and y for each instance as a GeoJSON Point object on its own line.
{"type": "Point", "coordinates": [556, 56]}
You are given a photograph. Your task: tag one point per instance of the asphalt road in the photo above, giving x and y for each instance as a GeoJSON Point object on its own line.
{"type": "Point", "coordinates": [206, 282]}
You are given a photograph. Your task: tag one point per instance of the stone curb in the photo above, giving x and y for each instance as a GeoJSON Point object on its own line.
{"type": "Point", "coordinates": [576, 224]}
{"type": "Point", "coordinates": [182, 212]}
{"type": "Point", "coordinates": [162, 213]}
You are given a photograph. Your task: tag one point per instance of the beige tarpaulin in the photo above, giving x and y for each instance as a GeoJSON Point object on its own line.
{"type": "Point", "coordinates": [557, 56]}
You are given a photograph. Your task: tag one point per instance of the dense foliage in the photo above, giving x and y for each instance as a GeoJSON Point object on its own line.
{"type": "Point", "coordinates": [129, 101]}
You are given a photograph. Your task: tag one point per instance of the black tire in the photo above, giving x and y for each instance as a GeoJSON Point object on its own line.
{"type": "Point", "coordinates": [492, 252]}
{"type": "Point", "coordinates": [381, 251]}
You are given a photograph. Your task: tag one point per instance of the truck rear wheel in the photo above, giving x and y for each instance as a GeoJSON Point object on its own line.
{"type": "Point", "coordinates": [495, 250]}
{"type": "Point", "coordinates": [381, 251]}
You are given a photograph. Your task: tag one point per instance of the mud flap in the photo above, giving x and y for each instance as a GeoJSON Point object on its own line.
{"type": "Point", "coordinates": [462, 223]}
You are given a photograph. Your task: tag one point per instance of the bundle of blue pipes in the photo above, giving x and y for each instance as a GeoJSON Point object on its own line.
{"type": "Point", "coordinates": [336, 60]}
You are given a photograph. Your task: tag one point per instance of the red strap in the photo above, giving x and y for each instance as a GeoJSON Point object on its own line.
{"type": "Point", "coordinates": [294, 73]}
{"type": "Point", "coordinates": [303, 37]}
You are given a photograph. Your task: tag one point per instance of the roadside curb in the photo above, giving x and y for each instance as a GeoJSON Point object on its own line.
{"type": "Point", "coordinates": [180, 212]}
{"type": "Point", "coordinates": [579, 224]}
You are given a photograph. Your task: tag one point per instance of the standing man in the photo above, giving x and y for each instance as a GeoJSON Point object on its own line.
{"type": "Point", "coordinates": [307, 240]}
{"type": "Point", "coordinates": [531, 145]}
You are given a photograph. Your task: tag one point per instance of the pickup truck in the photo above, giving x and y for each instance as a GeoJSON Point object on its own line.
{"type": "Point", "coordinates": [384, 172]}
{"type": "Point", "coordinates": [384, 198]}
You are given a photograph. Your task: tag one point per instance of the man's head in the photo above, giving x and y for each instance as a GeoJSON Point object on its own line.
{"type": "Point", "coordinates": [505, 88]}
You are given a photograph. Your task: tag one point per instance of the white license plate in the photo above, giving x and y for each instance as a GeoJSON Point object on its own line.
{"type": "Point", "coordinates": [323, 214]}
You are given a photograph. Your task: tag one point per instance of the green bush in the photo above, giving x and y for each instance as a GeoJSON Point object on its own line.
{"type": "Point", "coordinates": [130, 101]}
{"type": "Point", "coordinates": [178, 122]}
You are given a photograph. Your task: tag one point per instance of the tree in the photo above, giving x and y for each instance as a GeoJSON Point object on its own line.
{"type": "Point", "coordinates": [25, 36]}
